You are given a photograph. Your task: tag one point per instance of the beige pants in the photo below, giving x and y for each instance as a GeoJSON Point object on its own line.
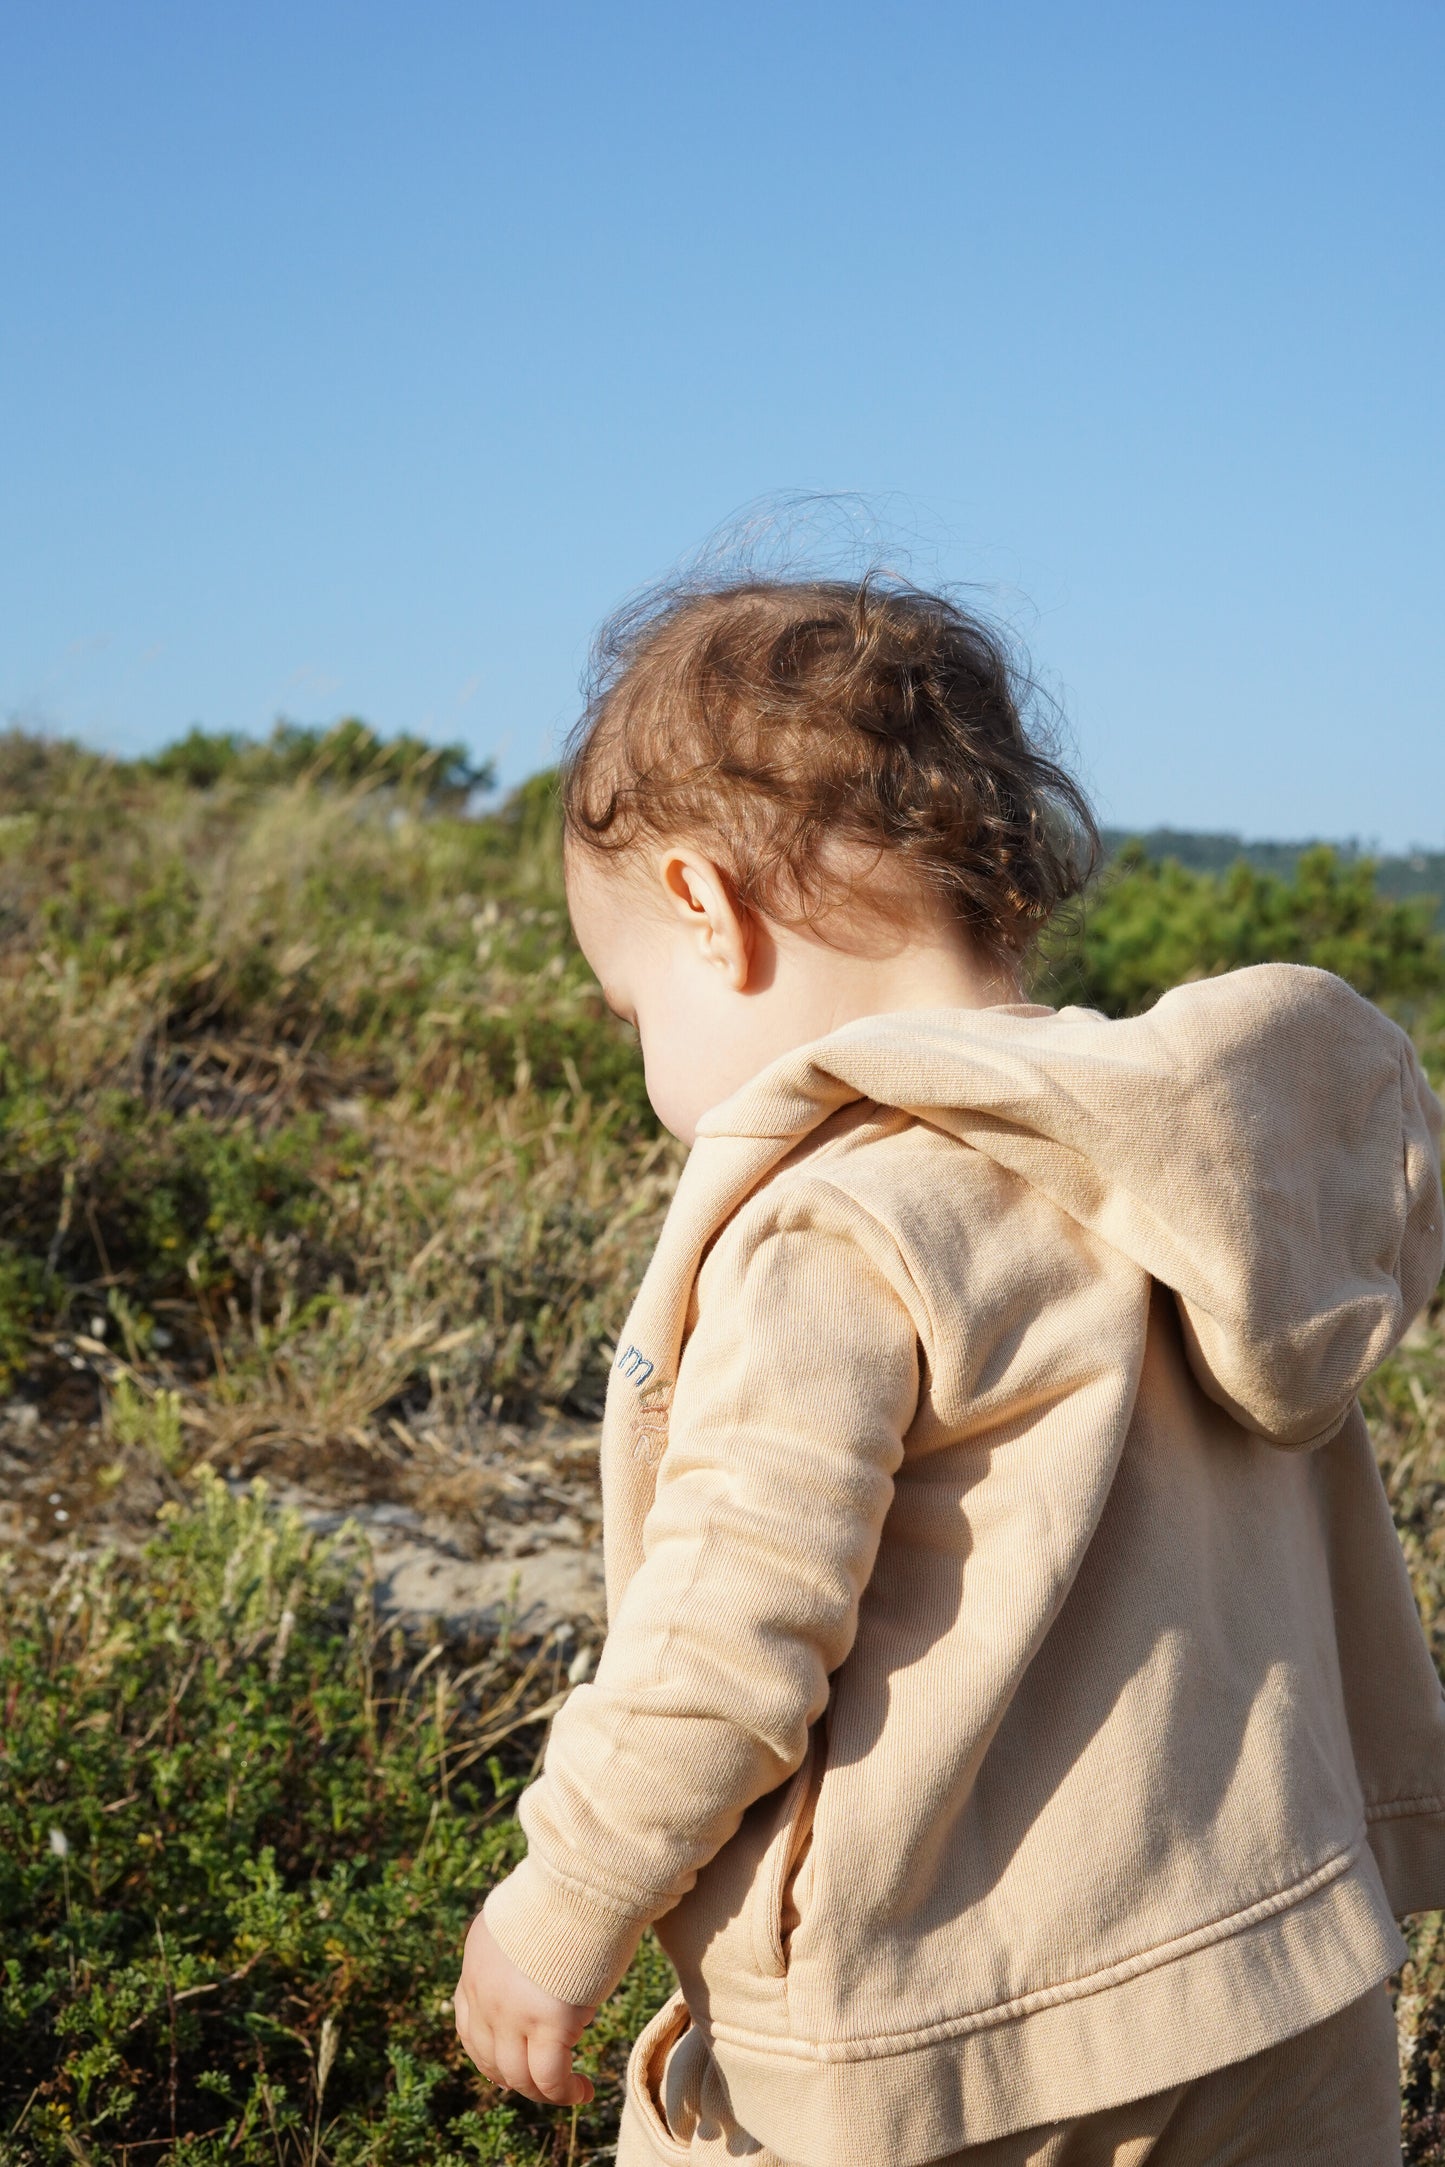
{"type": "Point", "coordinates": [1329, 2098]}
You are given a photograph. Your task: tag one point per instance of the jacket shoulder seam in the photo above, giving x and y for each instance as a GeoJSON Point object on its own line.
{"type": "Point", "coordinates": [866, 1211]}
{"type": "Point", "coordinates": [772, 1205]}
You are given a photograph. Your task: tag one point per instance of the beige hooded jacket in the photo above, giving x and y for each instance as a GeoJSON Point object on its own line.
{"type": "Point", "coordinates": [1013, 1701]}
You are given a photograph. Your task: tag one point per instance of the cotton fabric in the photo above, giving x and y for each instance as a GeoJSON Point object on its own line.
{"type": "Point", "coordinates": [1013, 1703]}
{"type": "Point", "coordinates": [1329, 2097]}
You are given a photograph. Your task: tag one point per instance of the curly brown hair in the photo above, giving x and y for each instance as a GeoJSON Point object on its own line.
{"type": "Point", "coordinates": [769, 721]}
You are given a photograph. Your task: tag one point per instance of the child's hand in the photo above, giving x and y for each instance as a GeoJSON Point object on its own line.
{"type": "Point", "coordinates": [516, 2034]}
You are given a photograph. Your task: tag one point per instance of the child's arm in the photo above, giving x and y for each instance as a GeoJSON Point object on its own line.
{"type": "Point", "coordinates": [795, 1390]}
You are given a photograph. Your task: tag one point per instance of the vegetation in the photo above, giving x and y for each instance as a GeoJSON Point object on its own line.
{"type": "Point", "coordinates": [317, 1141]}
{"type": "Point", "coordinates": [307, 1096]}
{"type": "Point", "coordinates": [308, 1105]}
{"type": "Point", "coordinates": [1412, 873]}
{"type": "Point", "coordinates": [242, 1831]}
{"type": "Point", "coordinates": [1153, 923]}
{"type": "Point", "coordinates": [349, 752]}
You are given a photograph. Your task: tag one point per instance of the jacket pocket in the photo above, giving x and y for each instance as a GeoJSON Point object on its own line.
{"type": "Point", "coordinates": [775, 1913]}
{"type": "Point", "coordinates": [651, 2135]}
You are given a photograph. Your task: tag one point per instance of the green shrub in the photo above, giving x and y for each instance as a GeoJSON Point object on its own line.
{"type": "Point", "coordinates": [22, 1301]}
{"type": "Point", "coordinates": [242, 1831]}
{"type": "Point", "coordinates": [1152, 924]}
{"type": "Point", "coordinates": [348, 752]}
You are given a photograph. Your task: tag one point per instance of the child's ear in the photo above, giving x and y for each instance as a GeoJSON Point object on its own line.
{"type": "Point", "coordinates": [703, 899]}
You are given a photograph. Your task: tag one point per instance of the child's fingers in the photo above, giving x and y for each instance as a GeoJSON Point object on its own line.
{"type": "Point", "coordinates": [476, 2038]}
{"type": "Point", "coordinates": [549, 2058]}
{"type": "Point", "coordinates": [509, 2051]}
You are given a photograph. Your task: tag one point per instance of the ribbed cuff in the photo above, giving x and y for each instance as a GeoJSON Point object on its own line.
{"type": "Point", "coordinates": [565, 1941]}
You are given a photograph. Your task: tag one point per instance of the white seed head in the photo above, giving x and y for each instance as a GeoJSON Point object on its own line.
{"type": "Point", "coordinates": [59, 1843]}
{"type": "Point", "coordinates": [284, 1628]}
{"type": "Point", "coordinates": [326, 2052]}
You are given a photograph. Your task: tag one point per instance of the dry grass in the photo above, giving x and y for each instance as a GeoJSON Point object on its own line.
{"type": "Point", "coordinates": [313, 1115]}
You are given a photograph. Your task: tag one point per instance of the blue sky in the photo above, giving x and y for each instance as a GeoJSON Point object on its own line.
{"type": "Point", "coordinates": [359, 358]}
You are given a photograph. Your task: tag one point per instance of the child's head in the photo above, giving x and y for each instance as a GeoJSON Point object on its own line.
{"type": "Point", "coordinates": [792, 802]}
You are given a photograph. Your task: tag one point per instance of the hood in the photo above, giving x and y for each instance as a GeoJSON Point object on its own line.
{"type": "Point", "coordinates": [1263, 1143]}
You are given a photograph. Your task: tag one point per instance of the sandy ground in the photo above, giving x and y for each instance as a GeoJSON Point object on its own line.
{"type": "Point", "coordinates": [468, 1530]}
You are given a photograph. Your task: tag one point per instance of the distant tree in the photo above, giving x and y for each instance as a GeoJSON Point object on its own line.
{"type": "Point", "coordinates": [199, 759]}
{"type": "Point", "coordinates": [351, 752]}
{"type": "Point", "coordinates": [1151, 924]}
{"type": "Point", "coordinates": [348, 752]}
{"type": "Point", "coordinates": [1412, 872]}
{"type": "Point", "coordinates": [35, 768]}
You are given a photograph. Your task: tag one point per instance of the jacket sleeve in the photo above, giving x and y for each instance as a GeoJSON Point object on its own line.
{"type": "Point", "coordinates": [793, 1395]}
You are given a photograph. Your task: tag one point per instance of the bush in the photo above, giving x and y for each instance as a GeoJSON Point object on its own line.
{"type": "Point", "coordinates": [1152, 924]}
{"type": "Point", "coordinates": [22, 1300]}
{"type": "Point", "coordinates": [347, 753]}
{"type": "Point", "coordinates": [242, 1831]}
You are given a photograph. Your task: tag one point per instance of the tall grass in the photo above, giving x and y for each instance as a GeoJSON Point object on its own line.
{"type": "Point", "coordinates": [310, 1108]}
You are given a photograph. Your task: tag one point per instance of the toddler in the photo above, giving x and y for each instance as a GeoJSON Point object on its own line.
{"type": "Point", "coordinates": [1014, 1717]}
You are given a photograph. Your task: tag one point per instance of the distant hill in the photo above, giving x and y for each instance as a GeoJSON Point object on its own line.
{"type": "Point", "coordinates": [1422, 872]}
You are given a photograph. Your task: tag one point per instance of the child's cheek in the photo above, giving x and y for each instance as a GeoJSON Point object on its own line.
{"type": "Point", "coordinates": [678, 1029]}
{"type": "Point", "coordinates": [674, 1115]}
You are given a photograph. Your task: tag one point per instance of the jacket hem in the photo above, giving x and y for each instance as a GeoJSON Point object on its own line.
{"type": "Point", "coordinates": [1407, 1838]}
{"type": "Point", "coordinates": [1177, 2020]}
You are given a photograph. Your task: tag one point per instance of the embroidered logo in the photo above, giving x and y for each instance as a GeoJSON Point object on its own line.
{"type": "Point", "coordinates": [634, 1365]}
{"type": "Point", "coordinates": [647, 1422]}
{"type": "Point", "coordinates": [649, 1431]}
